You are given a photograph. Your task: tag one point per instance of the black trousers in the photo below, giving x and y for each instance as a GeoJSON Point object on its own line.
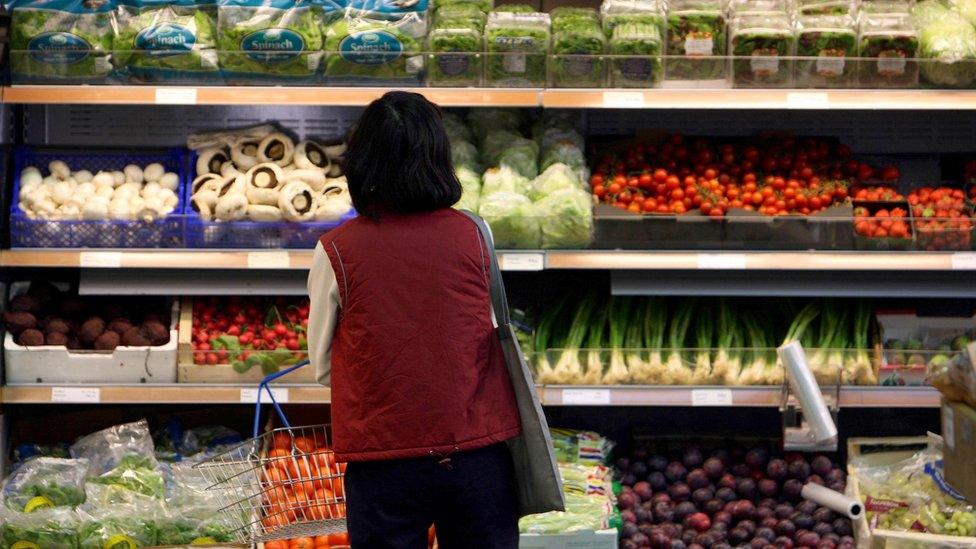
{"type": "Point", "coordinates": [470, 499]}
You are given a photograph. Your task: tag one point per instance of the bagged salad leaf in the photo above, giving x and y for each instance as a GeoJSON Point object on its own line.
{"type": "Point", "coordinates": [829, 40]}
{"type": "Point", "coordinates": [566, 218]}
{"type": "Point", "coordinates": [947, 39]}
{"type": "Point", "coordinates": [107, 448]}
{"type": "Point", "coordinates": [455, 44]}
{"type": "Point", "coordinates": [161, 40]}
{"type": "Point", "coordinates": [517, 44]}
{"type": "Point", "coordinates": [759, 42]}
{"type": "Point", "coordinates": [43, 482]}
{"type": "Point", "coordinates": [640, 12]}
{"type": "Point", "coordinates": [889, 44]}
{"type": "Point", "coordinates": [636, 48]}
{"type": "Point", "coordinates": [46, 528]}
{"type": "Point", "coordinates": [470, 189]}
{"type": "Point", "coordinates": [136, 473]}
{"type": "Point", "coordinates": [748, 7]}
{"type": "Point", "coordinates": [512, 219]}
{"type": "Point", "coordinates": [271, 39]}
{"type": "Point", "coordinates": [61, 40]}
{"type": "Point", "coordinates": [362, 47]}
{"type": "Point", "coordinates": [578, 43]}
{"type": "Point", "coordinates": [582, 447]}
{"type": "Point", "coordinates": [696, 28]}
{"type": "Point", "coordinates": [121, 526]}
{"type": "Point", "coordinates": [175, 529]}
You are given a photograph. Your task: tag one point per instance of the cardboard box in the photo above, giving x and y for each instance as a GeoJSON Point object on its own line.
{"type": "Point", "coordinates": [959, 449]}
{"type": "Point", "coordinates": [603, 539]}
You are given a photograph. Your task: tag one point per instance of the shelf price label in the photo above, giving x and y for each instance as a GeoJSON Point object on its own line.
{"type": "Point", "coordinates": [268, 260]}
{"type": "Point", "coordinates": [722, 261]}
{"type": "Point", "coordinates": [586, 397]}
{"type": "Point", "coordinates": [964, 261]}
{"type": "Point", "coordinates": [623, 100]}
{"type": "Point", "coordinates": [98, 260]}
{"type": "Point", "coordinates": [76, 395]}
{"type": "Point", "coordinates": [807, 100]}
{"type": "Point", "coordinates": [522, 261]}
{"type": "Point", "coordinates": [711, 397]}
{"type": "Point", "coordinates": [176, 96]}
{"type": "Point", "coordinates": [249, 395]}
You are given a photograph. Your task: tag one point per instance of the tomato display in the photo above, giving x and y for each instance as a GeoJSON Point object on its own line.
{"type": "Point", "coordinates": [268, 333]}
{"type": "Point", "coordinates": [882, 223]}
{"type": "Point", "coordinates": [943, 220]}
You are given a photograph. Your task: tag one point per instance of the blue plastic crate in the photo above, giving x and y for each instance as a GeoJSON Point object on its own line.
{"type": "Point", "coordinates": [250, 234]}
{"type": "Point", "coordinates": [38, 233]}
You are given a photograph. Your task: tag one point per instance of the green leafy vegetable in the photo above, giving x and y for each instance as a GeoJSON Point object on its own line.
{"type": "Point", "coordinates": [889, 44]}
{"type": "Point", "coordinates": [186, 531]}
{"type": "Point", "coordinates": [481, 5]}
{"type": "Point", "coordinates": [45, 482]}
{"type": "Point", "coordinates": [455, 55]}
{"type": "Point", "coordinates": [696, 28]}
{"type": "Point", "coordinates": [577, 44]}
{"type": "Point", "coordinates": [470, 189]}
{"type": "Point", "coordinates": [825, 7]}
{"type": "Point", "coordinates": [830, 41]}
{"type": "Point", "coordinates": [160, 40]}
{"type": "Point", "coordinates": [48, 529]}
{"type": "Point", "coordinates": [136, 473]}
{"type": "Point", "coordinates": [639, 12]}
{"type": "Point", "coordinates": [759, 42]}
{"type": "Point", "coordinates": [361, 47]}
{"type": "Point", "coordinates": [517, 44]}
{"type": "Point", "coordinates": [514, 8]}
{"type": "Point", "coordinates": [566, 219]}
{"type": "Point", "coordinates": [68, 40]}
{"type": "Point", "coordinates": [642, 40]}
{"type": "Point", "coordinates": [117, 533]}
{"type": "Point", "coordinates": [512, 218]}
{"type": "Point", "coordinates": [950, 41]}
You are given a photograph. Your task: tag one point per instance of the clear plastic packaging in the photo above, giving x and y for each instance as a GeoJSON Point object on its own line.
{"type": "Point", "coordinates": [827, 7]}
{"type": "Point", "coordinates": [886, 6]}
{"type": "Point", "coordinates": [364, 47]}
{"type": "Point", "coordinates": [640, 12]}
{"type": "Point", "coordinates": [455, 55]}
{"type": "Point", "coordinates": [641, 43]}
{"type": "Point", "coordinates": [67, 41]}
{"type": "Point", "coordinates": [696, 28]}
{"type": "Point", "coordinates": [482, 5]}
{"type": "Point", "coordinates": [745, 7]}
{"type": "Point", "coordinates": [517, 46]}
{"type": "Point", "coordinates": [577, 44]}
{"type": "Point", "coordinates": [44, 482]}
{"type": "Point", "coordinates": [948, 38]}
{"type": "Point", "coordinates": [758, 43]}
{"type": "Point", "coordinates": [831, 43]}
{"type": "Point", "coordinates": [105, 449]}
{"type": "Point", "coordinates": [46, 528]}
{"type": "Point", "coordinates": [888, 46]}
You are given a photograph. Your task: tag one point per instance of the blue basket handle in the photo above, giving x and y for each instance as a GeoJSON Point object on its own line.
{"type": "Point", "coordinates": [263, 386]}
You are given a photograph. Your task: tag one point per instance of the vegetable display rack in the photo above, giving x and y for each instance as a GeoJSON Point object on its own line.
{"type": "Point", "coordinates": [282, 484]}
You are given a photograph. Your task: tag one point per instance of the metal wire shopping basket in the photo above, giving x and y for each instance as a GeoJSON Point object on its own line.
{"type": "Point", "coordinates": [282, 484]}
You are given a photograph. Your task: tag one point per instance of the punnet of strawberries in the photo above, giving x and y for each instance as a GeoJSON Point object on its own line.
{"type": "Point", "coordinates": [771, 176]}
{"type": "Point", "coordinates": [876, 193]}
{"type": "Point", "coordinates": [943, 219]}
{"type": "Point", "coordinates": [267, 333]}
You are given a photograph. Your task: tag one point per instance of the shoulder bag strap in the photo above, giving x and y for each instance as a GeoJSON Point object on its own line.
{"type": "Point", "coordinates": [499, 300]}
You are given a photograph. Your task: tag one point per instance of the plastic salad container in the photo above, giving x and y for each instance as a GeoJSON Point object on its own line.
{"type": "Point", "coordinates": [888, 45]}
{"type": "Point", "coordinates": [759, 42]}
{"type": "Point", "coordinates": [743, 7]}
{"type": "Point", "coordinates": [826, 7]}
{"type": "Point", "coordinates": [517, 45]}
{"type": "Point", "coordinates": [696, 28]}
{"type": "Point", "coordinates": [645, 12]}
{"type": "Point", "coordinates": [643, 42]}
{"type": "Point", "coordinates": [578, 45]}
{"type": "Point", "coordinates": [947, 39]}
{"type": "Point", "coordinates": [827, 41]}
{"type": "Point", "coordinates": [455, 44]}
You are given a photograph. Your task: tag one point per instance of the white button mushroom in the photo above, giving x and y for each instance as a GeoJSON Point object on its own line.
{"type": "Point", "coordinates": [95, 210]}
{"type": "Point", "coordinates": [59, 169]}
{"type": "Point", "coordinates": [119, 210]}
{"type": "Point", "coordinates": [104, 190]}
{"type": "Point", "coordinates": [169, 198]}
{"type": "Point", "coordinates": [44, 208]}
{"type": "Point", "coordinates": [133, 173]}
{"type": "Point", "coordinates": [82, 176]}
{"type": "Point", "coordinates": [153, 172]}
{"type": "Point", "coordinates": [228, 169]}
{"type": "Point", "coordinates": [50, 181]}
{"type": "Point", "coordinates": [97, 199]}
{"type": "Point", "coordinates": [119, 177]}
{"type": "Point", "coordinates": [85, 189]}
{"type": "Point", "coordinates": [62, 192]}
{"type": "Point", "coordinates": [103, 178]}
{"type": "Point", "coordinates": [30, 176]}
{"type": "Point", "coordinates": [170, 181]}
{"type": "Point", "coordinates": [150, 189]}
{"type": "Point", "coordinates": [136, 203]}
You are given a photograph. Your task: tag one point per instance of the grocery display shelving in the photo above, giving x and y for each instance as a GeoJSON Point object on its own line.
{"type": "Point", "coordinates": [177, 393]}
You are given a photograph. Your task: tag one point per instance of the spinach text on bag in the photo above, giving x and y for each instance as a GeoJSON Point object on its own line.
{"type": "Point", "coordinates": [61, 40]}
{"type": "Point", "coordinates": [166, 38]}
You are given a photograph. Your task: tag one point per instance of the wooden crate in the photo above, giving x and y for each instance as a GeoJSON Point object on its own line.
{"type": "Point", "coordinates": [188, 372]}
{"type": "Point", "coordinates": [899, 448]}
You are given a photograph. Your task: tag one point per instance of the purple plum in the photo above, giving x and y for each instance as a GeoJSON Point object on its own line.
{"type": "Point", "coordinates": [726, 494]}
{"type": "Point", "coordinates": [756, 459]}
{"type": "Point", "coordinates": [693, 458]}
{"type": "Point", "coordinates": [776, 469]}
{"type": "Point", "coordinates": [798, 469]}
{"type": "Point", "coordinates": [713, 506]}
{"type": "Point", "coordinates": [697, 479]}
{"type": "Point", "coordinates": [792, 489]}
{"type": "Point", "coordinates": [821, 465]}
{"type": "Point", "coordinates": [657, 481]}
{"type": "Point", "coordinates": [684, 509]}
{"type": "Point", "coordinates": [701, 495]}
{"type": "Point", "coordinates": [657, 462]}
{"type": "Point", "coordinates": [675, 472]}
{"type": "Point", "coordinates": [679, 491]}
{"type": "Point", "coordinates": [643, 490]}
{"type": "Point", "coordinates": [768, 487]}
{"type": "Point", "coordinates": [746, 488]}
{"type": "Point", "coordinates": [714, 468]}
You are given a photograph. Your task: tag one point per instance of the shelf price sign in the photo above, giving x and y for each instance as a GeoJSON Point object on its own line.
{"type": "Point", "coordinates": [711, 397]}
{"type": "Point", "coordinates": [586, 397]}
{"type": "Point", "coordinates": [249, 395]}
{"type": "Point", "coordinates": [76, 395]}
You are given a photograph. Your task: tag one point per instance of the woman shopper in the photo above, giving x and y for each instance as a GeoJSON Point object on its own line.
{"type": "Point", "coordinates": [401, 329]}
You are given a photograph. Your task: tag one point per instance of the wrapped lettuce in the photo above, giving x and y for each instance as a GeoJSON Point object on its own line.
{"type": "Point", "coordinates": [44, 482]}
{"type": "Point", "coordinates": [455, 47]}
{"type": "Point", "coordinates": [47, 529]}
{"type": "Point", "coordinates": [696, 28]}
{"type": "Point", "coordinates": [517, 44]}
{"type": "Point", "coordinates": [456, 128]}
{"type": "Point", "coordinates": [521, 156]}
{"type": "Point", "coordinates": [484, 120]}
{"type": "Point", "coordinates": [483, 6]}
{"type": "Point", "coordinates": [888, 45]}
{"type": "Point", "coordinates": [636, 48]}
{"type": "Point", "coordinates": [497, 141]}
{"type": "Point", "coordinates": [886, 6]}
{"type": "Point", "coordinates": [470, 189]}
{"type": "Point", "coordinates": [166, 40]}
{"type": "Point", "coordinates": [136, 473]}
{"type": "Point", "coordinates": [759, 42]}
{"type": "Point", "coordinates": [174, 529]}
{"type": "Point", "coordinates": [566, 218]}
{"type": "Point", "coordinates": [271, 39]}
{"type": "Point", "coordinates": [463, 153]}
{"type": "Point", "coordinates": [556, 177]}
{"type": "Point", "coordinates": [512, 218]}
{"type": "Point", "coordinates": [738, 8]}
{"type": "Point", "coordinates": [947, 46]}
{"type": "Point", "coordinates": [363, 48]}
{"type": "Point", "coordinates": [577, 45]}
{"type": "Point", "coordinates": [504, 180]}
{"type": "Point", "coordinates": [61, 41]}
{"type": "Point", "coordinates": [966, 8]}
{"type": "Point", "coordinates": [563, 152]}
{"type": "Point", "coordinates": [514, 8]}
{"type": "Point", "coordinates": [828, 40]}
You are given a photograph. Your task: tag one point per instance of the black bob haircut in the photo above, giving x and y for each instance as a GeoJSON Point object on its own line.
{"type": "Point", "coordinates": [399, 158]}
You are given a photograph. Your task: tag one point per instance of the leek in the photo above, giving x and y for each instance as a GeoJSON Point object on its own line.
{"type": "Point", "coordinates": [568, 369]}
{"type": "Point", "coordinates": [620, 313]}
{"type": "Point", "coordinates": [595, 345]}
{"type": "Point", "coordinates": [675, 370]}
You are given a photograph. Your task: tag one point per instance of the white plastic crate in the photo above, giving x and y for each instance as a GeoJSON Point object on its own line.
{"type": "Point", "coordinates": [56, 364]}
{"type": "Point", "coordinates": [603, 539]}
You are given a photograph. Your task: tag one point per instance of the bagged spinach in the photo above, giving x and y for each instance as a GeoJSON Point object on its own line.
{"type": "Point", "coordinates": [116, 527]}
{"type": "Point", "coordinates": [696, 28]}
{"type": "Point", "coordinates": [271, 39]}
{"type": "Point", "coordinates": [759, 42]}
{"type": "Point", "coordinates": [364, 48]}
{"type": "Point", "coordinates": [827, 41]}
{"type": "Point", "coordinates": [578, 43]}
{"type": "Point", "coordinates": [455, 45]}
{"type": "Point", "coordinates": [888, 45]}
{"type": "Point", "coordinates": [47, 529]}
{"type": "Point", "coordinates": [162, 40]}
{"type": "Point", "coordinates": [61, 40]}
{"type": "Point", "coordinates": [43, 482]}
{"type": "Point", "coordinates": [517, 44]}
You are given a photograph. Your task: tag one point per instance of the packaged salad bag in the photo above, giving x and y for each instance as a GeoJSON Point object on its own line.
{"type": "Point", "coordinates": [45, 528]}
{"type": "Point", "coordinates": [369, 47]}
{"type": "Point", "coordinates": [455, 44]}
{"type": "Point", "coordinates": [829, 44]}
{"type": "Point", "coordinates": [761, 45]}
{"type": "Point", "coordinates": [264, 41]}
{"type": "Point", "coordinates": [887, 46]}
{"type": "Point", "coordinates": [61, 41]}
{"type": "Point", "coordinates": [45, 482]}
{"type": "Point", "coordinates": [166, 40]}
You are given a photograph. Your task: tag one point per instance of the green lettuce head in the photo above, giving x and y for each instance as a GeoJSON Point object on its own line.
{"type": "Point", "coordinates": [364, 48]}
{"type": "Point", "coordinates": [566, 218]}
{"type": "Point", "coordinates": [470, 189]}
{"type": "Point", "coordinates": [61, 40]}
{"type": "Point", "coordinates": [164, 38]}
{"type": "Point", "coordinates": [951, 42]}
{"type": "Point", "coordinates": [504, 179]}
{"type": "Point", "coordinates": [557, 177]}
{"type": "Point", "coordinates": [271, 38]}
{"type": "Point", "coordinates": [512, 219]}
